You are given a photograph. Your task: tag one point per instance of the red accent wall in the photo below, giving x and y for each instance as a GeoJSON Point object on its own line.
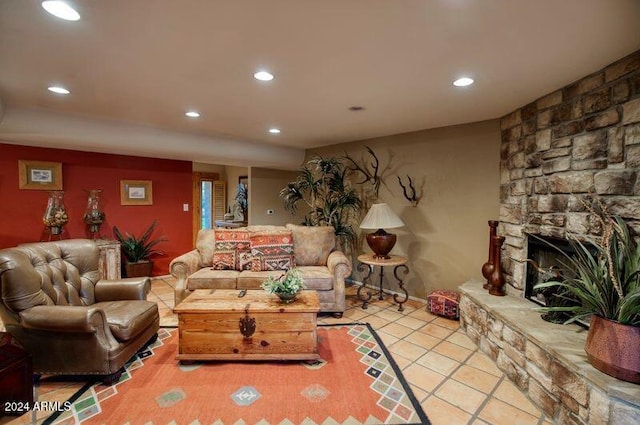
{"type": "Point", "coordinates": [21, 210]}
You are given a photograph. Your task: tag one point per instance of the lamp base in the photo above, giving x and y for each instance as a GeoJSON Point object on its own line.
{"type": "Point", "coordinates": [381, 243]}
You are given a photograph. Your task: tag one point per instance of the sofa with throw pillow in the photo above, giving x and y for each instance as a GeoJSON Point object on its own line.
{"type": "Point", "coordinates": [243, 258]}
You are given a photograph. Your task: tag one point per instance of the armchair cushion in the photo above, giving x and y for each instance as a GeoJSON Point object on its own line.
{"type": "Point", "coordinates": [126, 319]}
{"type": "Point", "coordinates": [132, 288]}
{"type": "Point", "coordinates": [312, 244]}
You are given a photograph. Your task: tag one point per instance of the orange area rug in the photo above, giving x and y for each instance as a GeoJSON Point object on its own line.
{"type": "Point", "coordinates": [355, 382]}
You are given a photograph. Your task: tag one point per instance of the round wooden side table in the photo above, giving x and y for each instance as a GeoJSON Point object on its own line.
{"type": "Point", "coordinates": [367, 264]}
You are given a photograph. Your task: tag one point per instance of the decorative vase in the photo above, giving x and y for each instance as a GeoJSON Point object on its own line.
{"type": "Point", "coordinates": [55, 215]}
{"type": "Point", "coordinates": [612, 348]}
{"type": "Point", "coordinates": [287, 297]}
{"type": "Point", "coordinates": [496, 280]}
{"type": "Point", "coordinates": [487, 268]}
{"type": "Point", "coordinates": [94, 215]}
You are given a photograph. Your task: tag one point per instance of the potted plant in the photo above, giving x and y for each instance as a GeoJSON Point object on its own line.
{"type": "Point", "coordinates": [286, 286]}
{"type": "Point", "coordinates": [324, 188]}
{"type": "Point", "coordinates": [605, 280]}
{"type": "Point", "coordinates": [137, 251]}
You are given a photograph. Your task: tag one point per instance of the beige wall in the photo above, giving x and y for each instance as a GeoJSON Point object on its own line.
{"type": "Point", "coordinates": [265, 186]}
{"type": "Point", "coordinates": [457, 168]}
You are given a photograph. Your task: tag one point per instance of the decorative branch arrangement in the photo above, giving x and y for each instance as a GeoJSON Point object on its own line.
{"type": "Point", "coordinates": [409, 193]}
{"type": "Point", "coordinates": [369, 171]}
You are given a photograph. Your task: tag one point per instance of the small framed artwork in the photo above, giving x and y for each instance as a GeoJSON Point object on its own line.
{"type": "Point", "coordinates": [136, 192]}
{"type": "Point", "coordinates": [40, 175]}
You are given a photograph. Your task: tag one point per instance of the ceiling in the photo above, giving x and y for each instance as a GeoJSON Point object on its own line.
{"type": "Point", "coordinates": [135, 67]}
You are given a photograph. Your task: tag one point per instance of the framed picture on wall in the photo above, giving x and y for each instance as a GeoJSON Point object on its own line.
{"type": "Point", "coordinates": [39, 175]}
{"type": "Point", "coordinates": [136, 192]}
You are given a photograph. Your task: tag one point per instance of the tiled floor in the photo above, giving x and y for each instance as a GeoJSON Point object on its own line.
{"type": "Point", "coordinates": [454, 381]}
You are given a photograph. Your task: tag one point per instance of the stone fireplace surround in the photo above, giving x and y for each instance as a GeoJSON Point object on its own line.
{"type": "Point", "coordinates": [580, 141]}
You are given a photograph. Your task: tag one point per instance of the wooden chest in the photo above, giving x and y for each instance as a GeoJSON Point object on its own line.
{"type": "Point", "coordinates": [217, 324]}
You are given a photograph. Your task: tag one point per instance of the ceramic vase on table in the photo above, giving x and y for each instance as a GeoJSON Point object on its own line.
{"type": "Point", "coordinates": [496, 280]}
{"type": "Point", "coordinates": [287, 297]}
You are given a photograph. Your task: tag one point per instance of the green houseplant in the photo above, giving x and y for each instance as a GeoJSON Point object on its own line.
{"type": "Point", "coordinates": [605, 279]}
{"type": "Point", "coordinates": [286, 286]}
{"type": "Point", "coordinates": [137, 251]}
{"type": "Point", "coordinates": [323, 187]}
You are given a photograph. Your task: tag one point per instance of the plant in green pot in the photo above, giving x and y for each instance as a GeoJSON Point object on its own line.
{"type": "Point", "coordinates": [286, 286]}
{"type": "Point", "coordinates": [137, 251]}
{"type": "Point", "coordinates": [605, 279]}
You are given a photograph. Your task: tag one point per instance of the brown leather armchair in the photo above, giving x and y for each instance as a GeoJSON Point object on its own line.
{"type": "Point", "coordinates": [70, 321]}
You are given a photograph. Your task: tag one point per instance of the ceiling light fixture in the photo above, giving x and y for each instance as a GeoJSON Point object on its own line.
{"type": "Point", "coordinates": [274, 130]}
{"type": "Point", "coordinates": [463, 82]}
{"type": "Point", "coordinates": [61, 10]}
{"type": "Point", "coordinates": [263, 76]}
{"type": "Point", "coordinates": [58, 90]}
{"type": "Point", "coordinates": [192, 114]}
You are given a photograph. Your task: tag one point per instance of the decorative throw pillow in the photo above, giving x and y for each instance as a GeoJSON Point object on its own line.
{"type": "Point", "coordinates": [230, 246]}
{"type": "Point", "coordinates": [272, 251]}
{"type": "Point", "coordinates": [312, 244]}
{"type": "Point", "coordinates": [444, 303]}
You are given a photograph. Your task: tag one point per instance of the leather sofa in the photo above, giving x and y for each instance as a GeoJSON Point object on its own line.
{"type": "Point", "coordinates": [323, 268]}
{"type": "Point", "coordinates": [71, 321]}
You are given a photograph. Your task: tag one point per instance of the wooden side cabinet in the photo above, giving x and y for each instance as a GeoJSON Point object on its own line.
{"type": "Point", "coordinates": [109, 262]}
{"type": "Point", "coordinates": [16, 378]}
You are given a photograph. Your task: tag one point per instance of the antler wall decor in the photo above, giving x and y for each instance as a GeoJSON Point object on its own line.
{"type": "Point", "coordinates": [369, 171]}
{"type": "Point", "coordinates": [409, 193]}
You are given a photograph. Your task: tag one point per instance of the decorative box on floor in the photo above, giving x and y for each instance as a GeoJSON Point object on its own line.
{"type": "Point", "coordinates": [444, 303]}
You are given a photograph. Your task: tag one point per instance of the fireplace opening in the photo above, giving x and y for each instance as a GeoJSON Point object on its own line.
{"type": "Point", "coordinates": [546, 263]}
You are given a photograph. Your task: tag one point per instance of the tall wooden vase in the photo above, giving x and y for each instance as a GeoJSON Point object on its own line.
{"type": "Point", "coordinates": [487, 268]}
{"type": "Point", "coordinates": [496, 281]}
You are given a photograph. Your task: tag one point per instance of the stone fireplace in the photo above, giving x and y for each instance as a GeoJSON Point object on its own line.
{"type": "Point", "coordinates": [577, 143]}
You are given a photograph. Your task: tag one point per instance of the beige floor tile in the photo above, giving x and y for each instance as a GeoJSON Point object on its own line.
{"type": "Point", "coordinates": [423, 340]}
{"type": "Point", "coordinates": [388, 339]}
{"type": "Point", "coordinates": [396, 330]}
{"type": "Point", "coordinates": [479, 422]}
{"type": "Point", "coordinates": [375, 321]}
{"type": "Point", "coordinates": [510, 394]}
{"type": "Point", "coordinates": [407, 350]}
{"type": "Point", "coordinates": [460, 338]}
{"type": "Point", "coordinates": [442, 413]}
{"type": "Point", "coordinates": [402, 362]}
{"type": "Point", "coordinates": [475, 378]}
{"type": "Point", "coordinates": [389, 315]}
{"type": "Point", "coordinates": [438, 363]}
{"type": "Point", "coordinates": [453, 351]}
{"type": "Point", "coordinates": [424, 315]}
{"type": "Point", "coordinates": [410, 322]}
{"type": "Point", "coordinates": [461, 395]}
{"type": "Point", "coordinates": [354, 314]}
{"type": "Point", "coordinates": [435, 330]}
{"type": "Point", "coordinates": [497, 412]}
{"type": "Point", "coordinates": [422, 377]}
{"type": "Point", "coordinates": [420, 394]}
{"type": "Point", "coordinates": [483, 362]}
{"type": "Point", "coordinates": [447, 323]}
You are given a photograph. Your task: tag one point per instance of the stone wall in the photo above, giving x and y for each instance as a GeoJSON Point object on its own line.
{"type": "Point", "coordinates": [546, 361]}
{"type": "Point", "coordinates": [581, 140]}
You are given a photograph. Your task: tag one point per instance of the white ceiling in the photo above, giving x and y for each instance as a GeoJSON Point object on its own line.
{"type": "Point", "coordinates": [138, 65]}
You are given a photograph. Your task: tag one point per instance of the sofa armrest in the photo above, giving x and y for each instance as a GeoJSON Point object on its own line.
{"type": "Point", "coordinates": [62, 318]}
{"type": "Point", "coordinates": [132, 288]}
{"type": "Point", "coordinates": [185, 265]}
{"type": "Point", "coordinates": [339, 265]}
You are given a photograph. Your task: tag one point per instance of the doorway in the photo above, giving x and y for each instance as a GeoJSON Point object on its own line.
{"type": "Point", "coordinates": [209, 201]}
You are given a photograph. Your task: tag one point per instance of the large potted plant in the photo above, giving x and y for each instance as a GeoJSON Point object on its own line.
{"type": "Point", "coordinates": [137, 251]}
{"type": "Point", "coordinates": [323, 187]}
{"type": "Point", "coordinates": [605, 279]}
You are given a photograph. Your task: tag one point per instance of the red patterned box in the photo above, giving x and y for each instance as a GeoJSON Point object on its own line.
{"type": "Point", "coordinates": [444, 303]}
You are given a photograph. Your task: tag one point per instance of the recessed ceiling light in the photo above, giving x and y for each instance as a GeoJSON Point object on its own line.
{"type": "Point", "coordinates": [61, 10]}
{"type": "Point", "coordinates": [192, 114]}
{"type": "Point", "coordinates": [274, 130]}
{"type": "Point", "coordinates": [58, 89]}
{"type": "Point", "coordinates": [462, 82]}
{"type": "Point", "coordinates": [263, 76]}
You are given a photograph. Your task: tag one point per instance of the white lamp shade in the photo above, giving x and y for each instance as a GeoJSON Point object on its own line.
{"type": "Point", "coordinates": [380, 216]}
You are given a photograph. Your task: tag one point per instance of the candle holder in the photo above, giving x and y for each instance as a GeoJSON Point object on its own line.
{"type": "Point", "coordinates": [94, 215]}
{"type": "Point", "coordinates": [55, 216]}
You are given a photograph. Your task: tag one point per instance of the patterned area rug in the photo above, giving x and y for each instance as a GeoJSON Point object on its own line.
{"type": "Point", "coordinates": [355, 382]}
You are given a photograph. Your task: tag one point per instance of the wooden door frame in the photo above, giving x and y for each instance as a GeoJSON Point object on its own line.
{"type": "Point", "coordinates": [197, 177]}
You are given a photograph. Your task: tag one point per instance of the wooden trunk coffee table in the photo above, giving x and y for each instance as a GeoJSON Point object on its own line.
{"type": "Point", "coordinates": [218, 324]}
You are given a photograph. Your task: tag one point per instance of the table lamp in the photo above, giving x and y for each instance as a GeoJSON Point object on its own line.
{"type": "Point", "coordinates": [381, 217]}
